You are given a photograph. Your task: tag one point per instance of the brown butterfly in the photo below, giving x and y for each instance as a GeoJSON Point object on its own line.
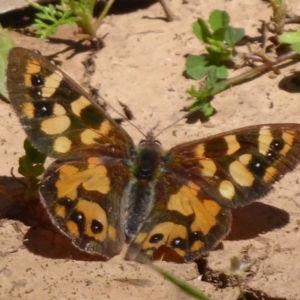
{"type": "Point", "coordinates": [103, 191]}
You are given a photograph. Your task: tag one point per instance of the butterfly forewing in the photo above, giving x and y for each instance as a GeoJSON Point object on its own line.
{"type": "Point", "coordinates": [239, 166]}
{"type": "Point", "coordinates": [58, 116]}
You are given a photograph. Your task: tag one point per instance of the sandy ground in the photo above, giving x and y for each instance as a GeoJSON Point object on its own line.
{"type": "Point", "coordinates": [141, 65]}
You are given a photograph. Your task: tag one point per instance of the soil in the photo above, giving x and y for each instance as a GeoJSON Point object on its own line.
{"type": "Point", "coordinates": [142, 66]}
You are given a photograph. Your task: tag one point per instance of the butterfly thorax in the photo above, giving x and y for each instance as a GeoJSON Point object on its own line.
{"type": "Point", "coordinates": [148, 158]}
{"type": "Point", "coordinates": [140, 190]}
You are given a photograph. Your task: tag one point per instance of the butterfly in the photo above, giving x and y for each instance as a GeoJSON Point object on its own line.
{"type": "Point", "coordinates": [102, 191]}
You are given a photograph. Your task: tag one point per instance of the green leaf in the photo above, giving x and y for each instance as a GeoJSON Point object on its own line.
{"type": "Point", "coordinates": [219, 34]}
{"type": "Point", "coordinates": [296, 47]}
{"type": "Point", "coordinates": [222, 72]}
{"type": "Point", "coordinates": [33, 155]}
{"type": "Point", "coordinates": [219, 87]}
{"type": "Point", "coordinates": [201, 30]}
{"type": "Point", "coordinates": [233, 35]}
{"type": "Point", "coordinates": [217, 44]}
{"type": "Point", "coordinates": [32, 163]}
{"type": "Point", "coordinates": [218, 19]}
{"type": "Point", "coordinates": [192, 91]}
{"type": "Point", "coordinates": [207, 109]}
{"type": "Point", "coordinates": [6, 43]}
{"type": "Point", "coordinates": [290, 37]}
{"type": "Point", "coordinates": [89, 5]}
{"type": "Point", "coordinates": [197, 66]}
{"type": "Point", "coordinates": [37, 170]}
{"type": "Point", "coordinates": [211, 78]}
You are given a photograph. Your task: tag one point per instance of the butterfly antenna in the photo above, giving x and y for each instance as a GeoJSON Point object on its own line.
{"type": "Point", "coordinates": [122, 116]}
{"type": "Point", "coordinates": [177, 121]}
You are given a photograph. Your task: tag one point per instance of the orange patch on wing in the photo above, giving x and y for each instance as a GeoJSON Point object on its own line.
{"type": "Point", "coordinates": [181, 201]}
{"type": "Point", "coordinates": [94, 161]}
{"type": "Point", "coordinates": [92, 179]}
{"type": "Point", "coordinates": [104, 128]}
{"type": "Point", "coordinates": [112, 233]}
{"type": "Point", "coordinates": [288, 137]}
{"type": "Point", "coordinates": [227, 189]}
{"type": "Point", "coordinates": [197, 245]}
{"type": "Point", "coordinates": [232, 144]}
{"type": "Point", "coordinates": [28, 110]}
{"type": "Point", "coordinates": [187, 202]}
{"type": "Point", "coordinates": [241, 174]}
{"type": "Point", "coordinates": [265, 138]}
{"type": "Point", "coordinates": [73, 228]}
{"type": "Point", "coordinates": [209, 168]}
{"type": "Point", "coordinates": [33, 67]}
{"type": "Point", "coordinates": [60, 211]}
{"type": "Point", "coordinates": [59, 110]}
{"type": "Point", "coordinates": [270, 174]}
{"type": "Point", "coordinates": [89, 136]}
{"type": "Point", "coordinates": [199, 151]}
{"type": "Point", "coordinates": [212, 206]}
{"type": "Point", "coordinates": [140, 238]}
{"type": "Point", "coordinates": [27, 80]}
{"type": "Point", "coordinates": [56, 125]}
{"type": "Point", "coordinates": [62, 144]}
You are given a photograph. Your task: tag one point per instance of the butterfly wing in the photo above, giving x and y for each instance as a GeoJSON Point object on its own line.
{"type": "Point", "coordinates": [182, 218]}
{"type": "Point", "coordinates": [240, 166]}
{"type": "Point", "coordinates": [201, 180]}
{"type": "Point", "coordinates": [83, 198]}
{"type": "Point", "coordinates": [82, 190]}
{"type": "Point", "coordinates": [59, 117]}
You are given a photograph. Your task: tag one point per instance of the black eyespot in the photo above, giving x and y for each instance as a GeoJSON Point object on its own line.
{"type": "Point", "coordinates": [78, 218]}
{"type": "Point", "coordinates": [156, 238]}
{"type": "Point", "coordinates": [43, 109]}
{"type": "Point", "coordinates": [277, 145]}
{"type": "Point", "coordinates": [35, 93]}
{"type": "Point", "coordinates": [37, 80]}
{"type": "Point", "coordinates": [96, 226]}
{"type": "Point", "coordinates": [271, 156]}
{"type": "Point", "coordinates": [179, 243]}
{"type": "Point", "coordinates": [258, 166]}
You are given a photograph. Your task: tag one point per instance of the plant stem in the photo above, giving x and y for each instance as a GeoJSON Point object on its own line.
{"type": "Point", "coordinates": [240, 287]}
{"type": "Point", "coordinates": [103, 14]}
{"type": "Point", "coordinates": [170, 16]}
{"type": "Point", "coordinates": [260, 69]}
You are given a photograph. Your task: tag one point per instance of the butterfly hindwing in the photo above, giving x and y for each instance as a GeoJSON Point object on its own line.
{"type": "Point", "coordinates": [183, 219]}
{"type": "Point", "coordinates": [83, 198]}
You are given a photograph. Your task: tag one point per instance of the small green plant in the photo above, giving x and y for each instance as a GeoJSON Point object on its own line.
{"type": "Point", "coordinates": [31, 166]}
{"type": "Point", "coordinates": [220, 39]}
{"type": "Point", "coordinates": [69, 12]}
{"type": "Point", "coordinates": [221, 42]}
